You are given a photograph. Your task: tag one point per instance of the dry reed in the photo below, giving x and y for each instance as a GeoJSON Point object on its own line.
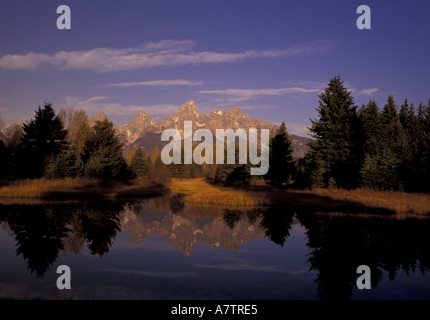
{"type": "Point", "coordinates": [400, 202]}
{"type": "Point", "coordinates": [200, 191]}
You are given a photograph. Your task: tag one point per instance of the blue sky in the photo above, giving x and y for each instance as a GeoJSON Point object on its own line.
{"type": "Point", "coordinates": [270, 57]}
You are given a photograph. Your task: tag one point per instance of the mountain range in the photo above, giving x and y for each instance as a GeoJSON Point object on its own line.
{"type": "Point", "coordinates": [143, 131]}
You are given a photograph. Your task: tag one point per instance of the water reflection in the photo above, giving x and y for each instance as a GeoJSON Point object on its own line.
{"type": "Point", "coordinates": [336, 244]}
{"type": "Point", "coordinates": [186, 226]}
{"type": "Point", "coordinates": [276, 221]}
{"type": "Point", "coordinates": [42, 231]}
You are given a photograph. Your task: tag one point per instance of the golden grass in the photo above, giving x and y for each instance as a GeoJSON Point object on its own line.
{"type": "Point", "coordinates": [70, 188]}
{"type": "Point", "coordinates": [400, 202]}
{"type": "Point", "coordinates": [200, 191]}
{"type": "Point", "coordinates": [37, 188]}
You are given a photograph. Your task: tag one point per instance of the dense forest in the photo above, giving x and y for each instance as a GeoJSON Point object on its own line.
{"type": "Point", "coordinates": [352, 147]}
{"type": "Point", "coordinates": [380, 149]}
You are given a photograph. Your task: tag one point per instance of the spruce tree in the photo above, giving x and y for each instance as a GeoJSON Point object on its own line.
{"type": "Point", "coordinates": [60, 166]}
{"type": "Point", "coordinates": [43, 137]}
{"type": "Point", "coordinates": [335, 148]}
{"type": "Point", "coordinates": [397, 152]}
{"type": "Point", "coordinates": [423, 157]}
{"type": "Point", "coordinates": [391, 126]}
{"type": "Point", "coordinates": [370, 129]}
{"type": "Point", "coordinates": [4, 161]}
{"type": "Point", "coordinates": [102, 155]}
{"type": "Point", "coordinates": [138, 163]}
{"type": "Point", "coordinates": [281, 163]}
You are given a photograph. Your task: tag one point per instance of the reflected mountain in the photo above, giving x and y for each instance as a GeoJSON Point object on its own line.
{"type": "Point", "coordinates": [186, 226]}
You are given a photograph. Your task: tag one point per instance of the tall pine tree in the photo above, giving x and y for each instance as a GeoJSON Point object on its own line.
{"type": "Point", "coordinates": [44, 136]}
{"type": "Point", "coordinates": [281, 163]}
{"type": "Point", "coordinates": [102, 155]}
{"type": "Point", "coordinates": [334, 152]}
{"type": "Point", "coordinates": [138, 163]}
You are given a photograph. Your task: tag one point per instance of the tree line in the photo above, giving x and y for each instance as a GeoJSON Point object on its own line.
{"type": "Point", "coordinates": [56, 146]}
{"type": "Point", "coordinates": [367, 147]}
{"type": "Point", "coordinates": [384, 148]}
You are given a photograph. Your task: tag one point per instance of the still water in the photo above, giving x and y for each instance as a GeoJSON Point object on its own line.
{"type": "Point", "coordinates": [162, 248]}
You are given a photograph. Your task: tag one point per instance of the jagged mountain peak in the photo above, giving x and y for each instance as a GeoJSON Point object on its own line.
{"type": "Point", "coordinates": [131, 131]}
{"type": "Point", "coordinates": [237, 109]}
{"type": "Point", "coordinates": [141, 116]}
{"type": "Point", "coordinates": [100, 116]}
{"type": "Point", "coordinates": [186, 109]}
{"type": "Point", "coordinates": [217, 112]}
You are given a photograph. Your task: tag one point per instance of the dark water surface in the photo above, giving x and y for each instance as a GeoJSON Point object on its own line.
{"type": "Point", "coordinates": [163, 249]}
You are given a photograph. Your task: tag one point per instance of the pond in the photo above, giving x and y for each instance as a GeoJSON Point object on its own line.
{"type": "Point", "coordinates": [162, 248]}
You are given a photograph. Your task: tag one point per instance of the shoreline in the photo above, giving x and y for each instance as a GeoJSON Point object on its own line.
{"type": "Point", "coordinates": [80, 189]}
{"type": "Point", "coordinates": [203, 192]}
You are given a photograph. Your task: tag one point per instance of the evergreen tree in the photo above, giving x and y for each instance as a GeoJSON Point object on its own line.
{"type": "Point", "coordinates": [391, 126]}
{"type": "Point", "coordinates": [138, 163]}
{"type": "Point", "coordinates": [4, 161]}
{"type": "Point", "coordinates": [396, 150]}
{"type": "Point", "coordinates": [102, 155]}
{"type": "Point", "coordinates": [335, 148]}
{"type": "Point", "coordinates": [281, 163]}
{"type": "Point", "coordinates": [232, 173]}
{"type": "Point", "coordinates": [60, 166]}
{"type": "Point", "coordinates": [43, 137]}
{"type": "Point", "coordinates": [423, 156]}
{"type": "Point", "coordinates": [370, 129]}
{"type": "Point", "coordinates": [313, 170]}
{"type": "Point", "coordinates": [380, 172]}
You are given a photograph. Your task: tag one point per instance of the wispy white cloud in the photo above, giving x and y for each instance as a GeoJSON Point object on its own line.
{"type": "Point", "coordinates": [366, 92]}
{"type": "Point", "coordinates": [162, 53]}
{"type": "Point", "coordinates": [156, 83]}
{"type": "Point", "coordinates": [246, 94]}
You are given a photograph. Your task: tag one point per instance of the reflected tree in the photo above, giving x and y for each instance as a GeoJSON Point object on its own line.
{"type": "Point", "coordinates": [231, 217]}
{"type": "Point", "coordinates": [277, 224]}
{"type": "Point", "coordinates": [42, 232]}
{"type": "Point", "coordinates": [177, 203]}
{"type": "Point", "coordinates": [100, 225]}
{"type": "Point", "coordinates": [339, 244]}
{"type": "Point", "coordinates": [39, 234]}
{"type": "Point", "coordinates": [275, 221]}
